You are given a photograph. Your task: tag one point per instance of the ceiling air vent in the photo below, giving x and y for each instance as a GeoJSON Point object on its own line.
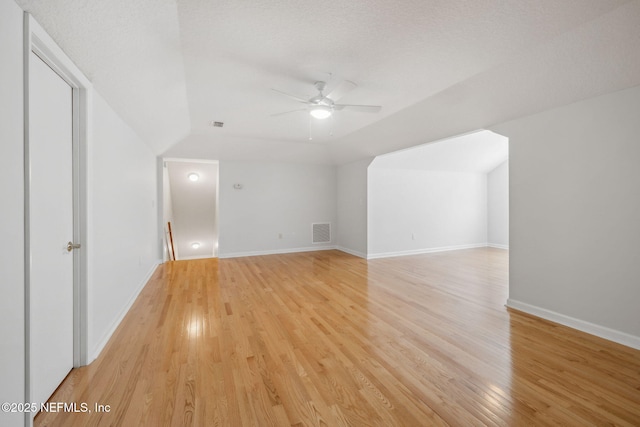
{"type": "Point", "coordinates": [322, 233]}
{"type": "Point", "coordinates": [216, 124]}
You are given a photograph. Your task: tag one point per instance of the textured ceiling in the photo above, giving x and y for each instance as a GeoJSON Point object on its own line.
{"type": "Point", "coordinates": [131, 52]}
{"type": "Point", "coordinates": [438, 68]}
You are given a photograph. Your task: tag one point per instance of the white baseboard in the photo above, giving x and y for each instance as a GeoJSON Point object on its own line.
{"type": "Point", "coordinates": [276, 251]}
{"type": "Point", "coordinates": [107, 336]}
{"type": "Point", "coordinates": [352, 252]}
{"type": "Point", "coordinates": [497, 246]}
{"type": "Point", "coordinates": [196, 257]}
{"type": "Point", "coordinates": [581, 325]}
{"type": "Point", "coordinates": [425, 251]}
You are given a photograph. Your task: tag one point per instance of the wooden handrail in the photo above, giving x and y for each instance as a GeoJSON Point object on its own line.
{"type": "Point", "coordinates": [173, 252]}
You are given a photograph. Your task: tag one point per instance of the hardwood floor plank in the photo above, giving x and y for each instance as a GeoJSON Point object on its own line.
{"type": "Point", "coordinates": [328, 339]}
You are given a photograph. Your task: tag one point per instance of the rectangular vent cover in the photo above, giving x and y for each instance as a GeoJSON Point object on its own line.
{"type": "Point", "coordinates": [322, 233]}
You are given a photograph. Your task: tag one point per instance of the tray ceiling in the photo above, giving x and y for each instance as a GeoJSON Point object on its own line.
{"type": "Point", "coordinates": [438, 68]}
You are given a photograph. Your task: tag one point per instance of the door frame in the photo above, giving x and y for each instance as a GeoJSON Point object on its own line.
{"type": "Point", "coordinates": [36, 40]}
{"type": "Point", "coordinates": [163, 183]}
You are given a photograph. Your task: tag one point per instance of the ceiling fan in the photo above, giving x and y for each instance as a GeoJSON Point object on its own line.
{"type": "Point", "coordinates": [322, 106]}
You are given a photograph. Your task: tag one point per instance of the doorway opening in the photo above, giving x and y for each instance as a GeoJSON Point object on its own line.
{"type": "Point", "coordinates": [56, 99]}
{"type": "Point", "coordinates": [445, 195]}
{"type": "Point", "coordinates": [189, 209]}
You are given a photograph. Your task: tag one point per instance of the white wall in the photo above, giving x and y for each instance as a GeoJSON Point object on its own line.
{"type": "Point", "coordinates": [122, 234]}
{"type": "Point", "coordinates": [351, 182]}
{"type": "Point", "coordinates": [498, 206]}
{"type": "Point", "coordinates": [276, 199]}
{"type": "Point", "coordinates": [11, 214]}
{"type": "Point", "coordinates": [122, 240]}
{"type": "Point", "coordinates": [417, 211]}
{"type": "Point", "coordinates": [575, 214]}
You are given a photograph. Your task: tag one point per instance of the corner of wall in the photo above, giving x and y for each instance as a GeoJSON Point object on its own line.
{"type": "Point", "coordinates": [100, 345]}
{"type": "Point", "coordinates": [581, 325]}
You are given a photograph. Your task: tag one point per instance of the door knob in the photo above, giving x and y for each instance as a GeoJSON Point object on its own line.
{"type": "Point", "coordinates": [71, 246]}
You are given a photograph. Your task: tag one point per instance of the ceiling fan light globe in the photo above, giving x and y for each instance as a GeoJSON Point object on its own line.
{"type": "Point", "coordinates": [320, 112]}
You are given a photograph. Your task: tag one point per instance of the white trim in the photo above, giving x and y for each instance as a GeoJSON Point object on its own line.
{"type": "Point", "coordinates": [197, 257]}
{"type": "Point", "coordinates": [276, 252]}
{"type": "Point", "coordinates": [50, 52]}
{"type": "Point", "coordinates": [351, 252]}
{"type": "Point", "coordinates": [425, 251]}
{"type": "Point", "coordinates": [26, 47]}
{"type": "Point", "coordinates": [497, 246]}
{"type": "Point", "coordinates": [95, 352]}
{"type": "Point", "coordinates": [581, 325]}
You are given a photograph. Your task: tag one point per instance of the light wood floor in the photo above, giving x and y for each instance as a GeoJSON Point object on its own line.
{"type": "Point", "coordinates": [329, 339]}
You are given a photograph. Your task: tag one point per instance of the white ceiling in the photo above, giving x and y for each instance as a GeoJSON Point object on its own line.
{"type": "Point", "coordinates": [477, 152]}
{"type": "Point", "coordinates": [194, 208]}
{"type": "Point", "coordinates": [438, 68]}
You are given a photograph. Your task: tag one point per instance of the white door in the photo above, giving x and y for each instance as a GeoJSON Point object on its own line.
{"type": "Point", "coordinates": [51, 228]}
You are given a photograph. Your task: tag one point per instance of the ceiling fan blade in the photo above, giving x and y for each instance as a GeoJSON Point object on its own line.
{"type": "Point", "coordinates": [360, 108]}
{"type": "Point", "coordinates": [297, 98]}
{"type": "Point", "coordinates": [287, 112]}
{"type": "Point", "coordinates": [341, 90]}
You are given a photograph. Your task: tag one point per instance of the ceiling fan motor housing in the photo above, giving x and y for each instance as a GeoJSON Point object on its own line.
{"type": "Point", "coordinates": [320, 86]}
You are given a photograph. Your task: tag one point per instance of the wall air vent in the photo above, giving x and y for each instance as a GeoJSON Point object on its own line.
{"type": "Point", "coordinates": [321, 233]}
{"type": "Point", "coordinates": [216, 124]}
